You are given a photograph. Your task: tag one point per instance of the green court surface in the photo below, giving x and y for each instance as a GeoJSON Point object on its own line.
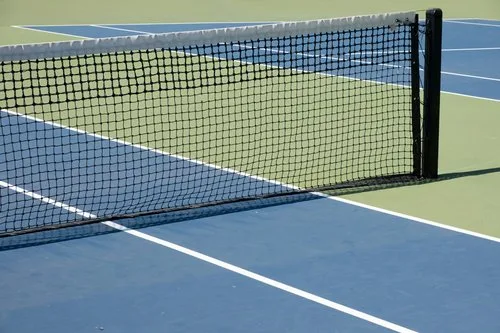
{"type": "Point", "coordinates": [466, 195]}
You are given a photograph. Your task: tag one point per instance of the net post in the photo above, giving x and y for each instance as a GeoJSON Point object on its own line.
{"type": "Point", "coordinates": [415, 99]}
{"type": "Point", "coordinates": [432, 90]}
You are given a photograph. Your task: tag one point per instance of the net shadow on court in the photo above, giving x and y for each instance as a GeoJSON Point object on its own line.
{"type": "Point", "coordinates": [414, 182]}
{"type": "Point", "coordinates": [187, 215]}
{"type": "Point", "coordinates": [194, 215]}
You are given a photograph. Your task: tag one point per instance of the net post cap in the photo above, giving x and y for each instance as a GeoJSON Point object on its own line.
{"type": "Point", "coordinates": [435, 12]}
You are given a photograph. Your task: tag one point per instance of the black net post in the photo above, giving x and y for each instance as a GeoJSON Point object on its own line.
{"type": "Point", "coordinates": [415, 99]}
{"type": "Point", "coordinates": [432, 90]}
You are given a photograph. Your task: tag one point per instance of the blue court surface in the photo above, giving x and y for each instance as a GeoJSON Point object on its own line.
{"type": "Point", "coordinates": [319, 265]}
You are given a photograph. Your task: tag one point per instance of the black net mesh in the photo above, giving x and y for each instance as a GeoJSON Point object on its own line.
{"type": "Point", "coordinates": [102, 136]}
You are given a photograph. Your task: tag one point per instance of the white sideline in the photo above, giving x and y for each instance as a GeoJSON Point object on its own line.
{"type": "Point", "coordinates": [350, 202]}
{"type": "Point", "coordinates": [222, 264]}
{"type": "Point", "coordinates": [156, 23]}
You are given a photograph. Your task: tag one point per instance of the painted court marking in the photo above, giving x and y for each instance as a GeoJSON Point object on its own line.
{"type": "Point", "coordinates": [222, 264]}
{"type": "Point", "coordinates": [121, 29]}
{"type": "Point", "coordinates": [471, 76]}
{"type": "Point", "coordinates": [311, 55]}
{"type": "Point", "coordinates": [475, 23]}
{"type": "Point", "coordinates": [151, 23]}
{"type": "Point", "coordinates": [49, 32]}
{"type": "Point", "coordinates": [496, 48]}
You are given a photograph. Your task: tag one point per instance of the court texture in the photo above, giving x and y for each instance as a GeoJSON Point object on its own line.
{"type": "Point", "coordinates": [416, 258]}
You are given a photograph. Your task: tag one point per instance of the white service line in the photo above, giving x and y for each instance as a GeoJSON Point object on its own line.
{"type": "Point", "coordinates": [471, 76]}
{"type": "Point", "coordinates": [161, 23]}
{"type": "Point", "coordinates": [222, 264]}
{"type": "Point", "coordinates": [466, 19]}
{"type": "Point", "coordinates": [320, 56]}
{"type": "Point", "coordinates": [474, 23]}
{"type": "Point", "coordinates": [121, 29]}
{"type": "Point", "coordinates": [496, 48]}
{"type": "Point", "coordinates": [310, 55]}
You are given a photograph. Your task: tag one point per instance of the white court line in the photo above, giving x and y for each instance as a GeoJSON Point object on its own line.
{"type": "Point", "coordinates": [310, 55]}
{"type": "Point", "coordinates": [50, 32]}
{"type": "Point", "coordinates": [373, 208]}
{"type": "Point", "coordinates": [121, 29]}
{"type": "Point", "coordinates": [151, 23]}
{"type": "Point", "coordinates": [222, 264]}
{"type": "Point", "coordinates": [321, 56]}
{"type": "Point", "coordinates": [474, 23]}
{"type": "Point", "coordinates": [470, 18]}
{"type": "Point", "coordinates": [495, 48]}
{"type": "Point", "coordinates": [471, 76]}
{"type": "Point", "coordinates": [461, 19]}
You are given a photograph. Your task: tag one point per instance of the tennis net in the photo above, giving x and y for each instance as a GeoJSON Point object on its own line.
{"type": "Point", "coordinates": [104, 129]}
